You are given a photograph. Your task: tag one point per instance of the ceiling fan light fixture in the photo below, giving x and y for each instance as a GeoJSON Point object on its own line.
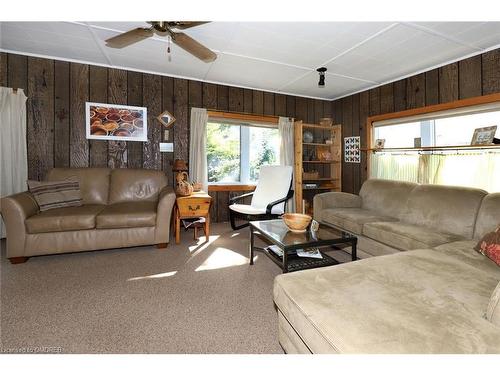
{"type": "Point", "coordinates": [321, 71]}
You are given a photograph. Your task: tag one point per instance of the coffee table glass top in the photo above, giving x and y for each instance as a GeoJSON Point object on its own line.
{"type": "Point", "coordinates": [283, 237]}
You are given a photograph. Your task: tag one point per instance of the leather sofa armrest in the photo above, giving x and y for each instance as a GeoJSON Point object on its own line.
{"type": "Point", "coordinates": [334, 200]}
{"type": "Point", "coordinates": [15, 210]}
{"type": "Point", "coordinates": [166, 203]}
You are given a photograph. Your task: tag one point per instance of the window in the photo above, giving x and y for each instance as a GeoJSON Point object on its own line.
{"type": "Point", "coordinates": [477, 167]}
{"type": "Point", "coordinates": [235, 152]}
{"type": "Point", "coordinates": [452, 130]}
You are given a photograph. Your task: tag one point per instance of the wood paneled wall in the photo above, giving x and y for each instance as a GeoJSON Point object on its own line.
{"type": "Point", "coordinates": [475, 76]}
{"type": "Point", "coordinates": [57, 92]}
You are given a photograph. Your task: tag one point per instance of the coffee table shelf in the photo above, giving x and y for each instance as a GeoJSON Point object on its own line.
{"type": "Point", "coordinates": [276, 233]}
{"type": "Point", "coordinates": [296, 263]}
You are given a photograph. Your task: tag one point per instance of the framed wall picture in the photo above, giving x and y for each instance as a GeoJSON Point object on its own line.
{"type": "Point", "coordinates": [484, 136]}
{"type": "Point", "coordinates": [112, 122]}
{"type": "Point", "coordinates": [352, 152]}
{"type": "Point", "coordinates": [379, 143]}
{"type": "Point", "coordinates": [167, 119]}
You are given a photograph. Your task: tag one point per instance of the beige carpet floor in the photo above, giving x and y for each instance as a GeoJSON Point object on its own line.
{"type": "Point", "coordinates": [195, 297]}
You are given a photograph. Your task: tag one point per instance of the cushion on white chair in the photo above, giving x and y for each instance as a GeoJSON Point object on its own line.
{"type": "Point", "coordinates": [274, 183]}
{"type": "Point", "coordinates": [247, 209]}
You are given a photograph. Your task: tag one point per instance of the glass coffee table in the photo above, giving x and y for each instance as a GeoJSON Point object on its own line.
{"type": "Point", "coordinates": [277, 233]}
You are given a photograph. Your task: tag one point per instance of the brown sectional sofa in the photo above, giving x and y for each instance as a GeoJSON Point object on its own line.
{"type": "Point", "coordinates": [427, 294]}
{"type": "Point", "coordinates": [121, 208]}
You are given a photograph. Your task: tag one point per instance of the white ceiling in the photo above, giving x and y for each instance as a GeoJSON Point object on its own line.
{"type": "Point", "coordinates": [272, 56]}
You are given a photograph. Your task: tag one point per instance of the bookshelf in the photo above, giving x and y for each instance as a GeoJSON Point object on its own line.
{"type": "Point", "coordinates": [318, 164]}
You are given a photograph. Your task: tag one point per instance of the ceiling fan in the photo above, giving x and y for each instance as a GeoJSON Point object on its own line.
{"type": "Point", "coordinates": [165, 28]}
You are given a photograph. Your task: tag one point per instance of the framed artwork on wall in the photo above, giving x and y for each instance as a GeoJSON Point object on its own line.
{"type": "Point", "coordinates": [112, 122]}
{"type": "Point", "coordinates": [167, 119]}
{"type": "Point", "coordinates": [352, 151]}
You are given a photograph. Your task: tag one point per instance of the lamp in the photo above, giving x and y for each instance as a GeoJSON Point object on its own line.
{"type": "Point", "coordinates": [321, 71]}
{"type": "Point", "coordinates": [179, 165]}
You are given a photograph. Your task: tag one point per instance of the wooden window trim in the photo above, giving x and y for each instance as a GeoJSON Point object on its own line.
{"type": "Point", "coordinates": [469, 102]}
{"type": "Point", "coordinates": [244, 117]}
{"type": "Point", "coordinates": [230, 187]}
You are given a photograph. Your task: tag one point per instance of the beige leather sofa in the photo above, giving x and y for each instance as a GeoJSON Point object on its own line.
{"type": "Point", "coordinates": [121, 208]}
{"type": "Point", "coordinates": [429, 295]}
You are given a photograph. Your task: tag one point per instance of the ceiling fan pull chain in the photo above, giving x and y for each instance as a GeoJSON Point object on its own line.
{"type": "Point", "coordinates": [168, 48]}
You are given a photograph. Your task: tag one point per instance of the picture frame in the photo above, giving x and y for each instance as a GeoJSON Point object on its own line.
{"type": "Point", "coordinates": [113, 122]}
{"type": "Point", "coordinates": [379, 143]}
{"type": "Point", "coordinates": [352, 149]}
{"type": "Point", "coordinates": [483, 136]}
{"type": "Point", "coordinates": [166, 119]}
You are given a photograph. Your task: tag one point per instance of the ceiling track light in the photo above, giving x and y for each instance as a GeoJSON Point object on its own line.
{"type": "Point", "coordinates": [321, 71]}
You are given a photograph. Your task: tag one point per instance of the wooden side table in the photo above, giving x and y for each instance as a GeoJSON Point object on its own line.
{"type": "Point", "coordinates": [194, 206]}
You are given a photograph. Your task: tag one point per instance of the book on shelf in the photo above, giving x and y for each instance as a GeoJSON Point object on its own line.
{"type": "Point", "coordinates": [312, 252]}
{"type": "Point", "coordinates": [187, 223]}
{"type": "Point", "coordinates": [275, 249]}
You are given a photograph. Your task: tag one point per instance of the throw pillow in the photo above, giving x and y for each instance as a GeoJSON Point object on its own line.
{"type": "Point", "coordinates": [56, 194]}
{"type": "Point", "coordinates": [493, 310]}
{"type": "Point", "coordinates": [489, 245]}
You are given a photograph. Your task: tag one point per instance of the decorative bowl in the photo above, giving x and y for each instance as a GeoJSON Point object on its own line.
{"type": "Point", "coordinates": [296, 222]}
{"type": "Point", "coordinates": [308, 137]}
{"type": "Point", "coordinates": [122, 132]}
{"type": "Point", "coordinates": [98, 129]}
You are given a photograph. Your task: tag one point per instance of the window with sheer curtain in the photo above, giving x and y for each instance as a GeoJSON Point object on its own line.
{"type": "Point", "coordinates": [479, 167]}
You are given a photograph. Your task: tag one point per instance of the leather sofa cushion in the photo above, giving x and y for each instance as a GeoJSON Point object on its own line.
{"type": "Point", "coordinates": [135, 185]}
{"type": "Point", "coordinates": [488, 217]}
{"type": "Point", "coordinates": [352, 219]}
{"type": "Point", "coordinates": [94, 182]}
{"type": "Point", "coordinates": [450, 209]}
{"type": "Point", "coordinates": [64, 219]}
{"type": "Point", "coordinates": [410, 302]}
{"type": "Point", "coordinates": [386, 197]}
{"type": "Point", "coordinates": [406, 236]}
{"type": "Point", "coordinates": [128, 215]}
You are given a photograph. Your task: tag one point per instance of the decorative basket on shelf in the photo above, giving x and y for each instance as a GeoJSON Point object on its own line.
{"type": "Point", "coordinates": [326, 121]}
{"type": "Point", "coordinates": [312, 175]}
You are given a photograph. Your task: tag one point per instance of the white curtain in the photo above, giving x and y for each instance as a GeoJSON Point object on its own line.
{"type": "Point", "coordinates": [287, 150]}
{"type": "Point", "coordinates": [479, 169]}
{"type": "Point", "coordinates": [13, 153]}
{"type": "Point", "coordinates": [197, 147]}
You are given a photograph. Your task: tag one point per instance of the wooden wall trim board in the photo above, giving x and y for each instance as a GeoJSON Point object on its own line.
{"type": "Point", "coordinates": [212, 188]}
{"type": "Point", "coordinates": [57, 92]}
{"type": "Point", "coordinates": [240, 116]}
{"type": "Point", "coordinates": [478, 100]}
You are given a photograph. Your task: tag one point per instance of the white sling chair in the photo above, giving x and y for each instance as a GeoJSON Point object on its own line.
{"type": "Point", "coordinates": [269, 198]}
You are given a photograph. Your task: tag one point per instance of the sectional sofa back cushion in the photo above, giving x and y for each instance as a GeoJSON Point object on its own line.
{"type": "Point", "coordinates": [448, 209]}
{"type": "Point", "coordinates": [488, 217]}
{"type": "Point", "coordinates": [129, 185]}
{"type": "Point", "coordinates": [94, 182]}
{"type": "Point", "coordinates": [386, 197]}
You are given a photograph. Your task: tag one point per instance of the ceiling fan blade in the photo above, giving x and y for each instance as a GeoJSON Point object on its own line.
{"type": "Point", "coordinates": [182, 25]}
{"type": "Point", "coordinates": [129, 37]}
{"type": "Point", "coordinates": [193, 47]}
